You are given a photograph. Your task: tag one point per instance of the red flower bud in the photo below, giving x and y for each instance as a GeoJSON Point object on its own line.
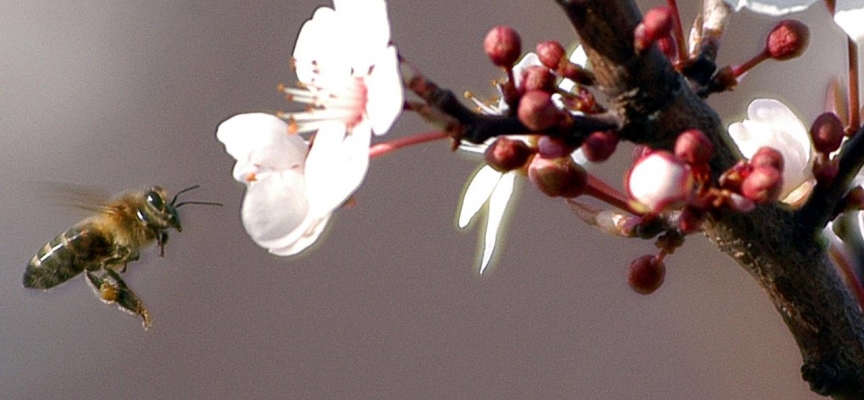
{"type": "Point", "coordinates": [558, 177]}
{"type": "Point", "coordinates": [788, 40]}
{"type": "Point", "coordinates": [767, 156]}
{"type": "Point", "coordinates": [503, 46]}
{"type": "Point", "coordinates": [550, 53]}
{"type": "Point", "coordinates": [763, 185]}
{"type": "Point", "coordinates": [646, 274]}
{"type": "Point", "coordinates": [537, 112]}
{"type": "Point", "coordinates": [826, 133]}
{"type": "Point", "coordinates": [506, 154]}
{"type": "Point", "coordinates": [693, 147]}
{"type": "Point", "coordinates": [600, 145]}
{"type": "Point", "coordinates": [536, 77]}
{"type": "Point", "coordinates": [656, 24]}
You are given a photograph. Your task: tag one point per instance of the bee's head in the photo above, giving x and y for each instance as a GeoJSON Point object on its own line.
{"type": "Point", "coordinates": [159, 214]}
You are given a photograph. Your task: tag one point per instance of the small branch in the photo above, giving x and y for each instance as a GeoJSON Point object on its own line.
{"type": "Point", "coordinates": [385, 148]}
{"type": "Point", "coordinates": [678, 30]}
{"type": "Point", "coordinates": [854, 95]}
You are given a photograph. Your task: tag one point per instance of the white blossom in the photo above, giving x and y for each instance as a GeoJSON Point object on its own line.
{"type": "Point", "coordinates": [349, 83]}
{"type": "Point", "coordinates": [660, 181]}
{"type": "Point", "coordinates": [771, 123]}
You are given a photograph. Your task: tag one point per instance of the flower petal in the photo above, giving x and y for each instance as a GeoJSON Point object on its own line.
{"type": "Point", "coordinates": [261, 141]}
{"type": "Point", "coordinates": [771, 7]}
{"type": "Point", "coordinates": [849, 15]}
{"type": "Point", "coordinates": [498, 202]}
{"type": "Point", "coordinates": [774, 125]}
{"type": "Point", "coordinates": [314, 228]}
{"type": "Point", "coordinates": [479, 189]}
{"type": "Point", "coordinates": [336, 166]}
{"type": "Point", "coordinates": [275, 210]}
{"type": "Point", "coordinates": [384, 90]}
{"type": "Point", "coordinates": [318, 44]}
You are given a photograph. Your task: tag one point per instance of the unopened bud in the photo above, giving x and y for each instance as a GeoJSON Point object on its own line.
{"type": "Point", "coordinates": [690, 219]}
{"type": "Point", "coordinates": [553, 147]}
{"type": "Point", "coordinates": [503, 46]}
{"type": "Point", "coordinates": [825, 169]}
{"type": "Point", "coordinates": [693, 147]}
{"type": "Point", "coordinates": [600, 145]}
{"type": "Point", "coordinates": [506, 154]}
{"type": "Point", "coordinates": [550, 53]}
{"type": "Point", "coordinates": [660, 181]}
{"type": "Point", "coordinates": [767, 156]}
{"type": "Point", "coordinates": [788, 40]}
{"type": "Point", "coordinates": [646, 274]}
{"type": "Point", "coordinates": [656, 23]}
{"type": "Point", "coordinates": [537, 77]}
{"type": "Point", "coordinates": [827, 133]}
{"type": "Point", "coordinates": [537, 111]}
{"type": "Point", "coordinates": [763, 185]}
{"type": "Point", "coordinates": [558, 177]}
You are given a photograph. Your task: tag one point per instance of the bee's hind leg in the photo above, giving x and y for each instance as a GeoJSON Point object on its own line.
{"type": "Point", "coordinates": [111, 289]}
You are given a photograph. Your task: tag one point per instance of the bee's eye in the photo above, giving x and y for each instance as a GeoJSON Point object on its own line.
{"type": "Point", "coordinates": [155, 200]}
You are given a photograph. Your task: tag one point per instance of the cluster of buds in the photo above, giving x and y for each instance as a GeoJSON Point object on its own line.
{"type": "Point", "coordinates": [533, 95]}
{"type": "Point", "coordinates": [545, 160]}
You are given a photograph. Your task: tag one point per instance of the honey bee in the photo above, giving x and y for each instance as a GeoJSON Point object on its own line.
{"type": "Point", "coordinates": [103, 244]}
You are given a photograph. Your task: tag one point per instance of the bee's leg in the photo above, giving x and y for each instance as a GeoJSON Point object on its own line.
{"type": "Point", "coordinates": [111, 289]}
{"type": "Point", "coordinates": [161, 239]}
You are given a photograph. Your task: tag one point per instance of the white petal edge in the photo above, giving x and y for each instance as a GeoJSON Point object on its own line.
{"type": "Point", "coordinates": [308, 237]}
{"type": "Point", "coordinates": [498, 202]}
{"type": "Point", "coordinates": [258, 140]}
{"type": "Point", "coordinates": [477, 194]}
{"type": "Point", "coordinates": [849, 17]}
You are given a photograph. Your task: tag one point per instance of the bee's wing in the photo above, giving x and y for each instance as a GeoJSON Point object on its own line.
{"type": "Point", "coordinates": [71, 196]}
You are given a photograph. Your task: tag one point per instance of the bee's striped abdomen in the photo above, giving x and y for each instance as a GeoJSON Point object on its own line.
{"type": "Point", "coordinates": [65, 256]}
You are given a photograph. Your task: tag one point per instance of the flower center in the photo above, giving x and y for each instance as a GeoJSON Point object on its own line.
{"type": "Point", "coordinates": [328, 100]}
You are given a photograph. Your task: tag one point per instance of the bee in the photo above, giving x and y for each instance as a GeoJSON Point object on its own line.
{"type": "Point", "coordinates": [103, 244]}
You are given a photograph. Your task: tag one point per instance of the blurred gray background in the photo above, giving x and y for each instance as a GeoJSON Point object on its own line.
{"type": "Point", "coordinates": [128, 94]}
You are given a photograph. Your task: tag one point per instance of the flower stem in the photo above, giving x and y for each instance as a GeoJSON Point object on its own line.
{"type": "Point", "coordinates": [740, 69]}
{"type": "Point", "coordinates": [679, 30]}
{"type": "Point", "coordinates": [601, 191]}
{"type": "Point", "coordinates": [385, 148]}
{"type": "Point", "coordinates": [854, 102]}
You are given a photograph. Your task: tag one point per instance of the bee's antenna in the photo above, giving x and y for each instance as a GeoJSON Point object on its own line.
{"type": "Point", "coordinates": [203, 203]}
{"type": "Point", "coordinates": [176, 195]}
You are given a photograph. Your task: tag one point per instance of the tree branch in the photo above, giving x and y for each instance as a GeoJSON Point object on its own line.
{"type": "Point", "coordinates": [786, 257]}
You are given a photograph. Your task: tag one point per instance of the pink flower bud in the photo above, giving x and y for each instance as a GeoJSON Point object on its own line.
{"type": "Point", "coordinates": [767, 156]}
{"type": "Point", "coordinates": [503, 46]}
{"type": "Point", "coordinates": [506, 154]}
{"type": "Point", "coordinates": [693, 147]}
{"type": "Point", "coordinates": [600, 145]}
{"type": "Point", "coordinates": [550, 53]}
{"type": "Point", "coordinates": [558, 177]}
{"type": "Point", "coordinates": [537, 111]}
{"type": "Point", "coordinates": [646, 274]}
{"type": "Point", "coordinates": [660, 181]}
{"type": "Point", "coordinates": [826, 133]}
{"type": "Point", "coordinates": [656, 24]}
{"type": "Point", "coordinates": [553, 147]}
{"type": "Point", "coordinates": [690, 219]}
{"type": "Point", "coordinates": [537, 77]}
{"type": "Point", "coordinates": [788, 40]}
{"type": "Point", "coordinates": [763, 185]}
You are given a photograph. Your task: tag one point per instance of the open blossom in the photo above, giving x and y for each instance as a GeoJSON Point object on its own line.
{"type": "Point", "coordinates": [497, 189]}
{"type": "Point", "coordinates": [349, 80]}
{"type": "Point", "coordinates": [848, 13]}
{"type": "Point", "coordinates": [770, 123]}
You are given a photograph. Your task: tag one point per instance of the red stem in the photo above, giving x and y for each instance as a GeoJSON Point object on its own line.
{"type": "Point", "coordinates": [599, 190]}
{"type": "Point", "coordinates": [381, 149]}
{"type": "Point", "coordinates": [740, 69]}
